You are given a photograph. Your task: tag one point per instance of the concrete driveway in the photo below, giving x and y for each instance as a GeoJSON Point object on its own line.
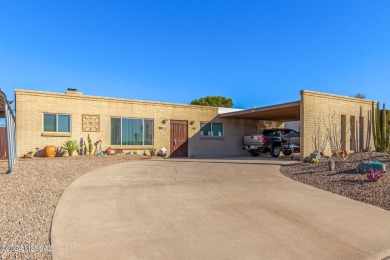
{"type": "Point", "coordinates": [211, 209]}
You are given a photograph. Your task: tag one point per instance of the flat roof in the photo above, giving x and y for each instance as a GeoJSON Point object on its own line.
{"type": "Point", "coordinates": [80, 95]}
{"type": "Point", "coordinates": [283, 112]}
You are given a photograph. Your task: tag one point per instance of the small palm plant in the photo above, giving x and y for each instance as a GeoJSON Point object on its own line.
{"type": "Point", "coordinates": [70, 146]}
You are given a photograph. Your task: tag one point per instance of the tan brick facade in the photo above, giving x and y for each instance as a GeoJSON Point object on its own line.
{"type": "Point", "coordinates": [351, 117]}
{"type": "Point", "coordinates": [30, 106]}
{"type": "Point", "coordinates": [320, 110]}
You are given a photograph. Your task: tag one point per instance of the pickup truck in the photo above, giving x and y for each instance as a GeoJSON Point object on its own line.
{"type": "Point", "coordinates": [273, 141]}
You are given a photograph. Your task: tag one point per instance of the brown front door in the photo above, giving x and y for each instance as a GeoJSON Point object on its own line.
{"type": "Point", "coordinates": [179, 138]}
{"type": "Point", "coordinates": [3, 143]}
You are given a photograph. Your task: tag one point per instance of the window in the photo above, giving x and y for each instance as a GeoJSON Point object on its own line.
{"type": "Point", "coordinates": [131, 131]}
{"type": "Point", "coordinates": [273, 132]}
{"type": "Point", "coordinates": [289, 133]}
{"type": "Point", "coordinates": [211, 129]}
{"type": "Point", "coordinates": [56, 123]}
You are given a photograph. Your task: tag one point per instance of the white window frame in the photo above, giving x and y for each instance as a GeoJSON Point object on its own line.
{"type": "Point", "coordinates": [211, 129]}
{"type": "Point", "coordinates": [143, 131]}
{"type": "Point", "coordinates": [56, 114]}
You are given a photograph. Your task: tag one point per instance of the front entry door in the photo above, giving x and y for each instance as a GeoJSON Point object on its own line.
{"type": "Point", "coordinates": [3, 143]}
{"type": "Point", "coordinates": [179, 138]}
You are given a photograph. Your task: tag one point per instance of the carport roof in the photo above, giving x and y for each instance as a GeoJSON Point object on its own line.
{"type": "Point", "coordinates": [282, 112]}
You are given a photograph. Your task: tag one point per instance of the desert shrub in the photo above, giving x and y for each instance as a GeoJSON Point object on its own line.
{"type": "Point", "coordinates": [319, 138]}
{"type": "Point", "coordinates": [333, 135]}
{"type": "Point", "coordinates": [70, 146]}
{"type": "Point", "coordinates": [152, 151]}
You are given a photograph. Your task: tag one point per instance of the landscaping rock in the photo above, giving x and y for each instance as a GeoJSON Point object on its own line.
{"type": "Point", "coordinates": [119, 151]}
{"type": "Point", "coordinates": [314, 155]}
{"type": "Point", "coordinates": [344, 180]}
{"type": "Point", "coordinates": [375, 165]}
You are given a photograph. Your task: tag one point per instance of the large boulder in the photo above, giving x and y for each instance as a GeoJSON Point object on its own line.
{"type": "Point", "coordinates": [375, 165]}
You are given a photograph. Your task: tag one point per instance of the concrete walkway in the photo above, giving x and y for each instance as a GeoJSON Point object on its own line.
{"type": "Point", "coordinates": [211, 209]}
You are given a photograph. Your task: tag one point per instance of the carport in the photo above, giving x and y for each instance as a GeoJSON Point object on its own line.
{"type": "Point", "coordinates": [346, 117]}
{"type": "Point", "coordinates": [285, 112]}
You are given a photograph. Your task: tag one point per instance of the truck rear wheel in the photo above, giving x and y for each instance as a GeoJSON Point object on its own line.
{"type": "Point", "coordinates": [254, 154]}
{"type": "Point", "coordinates": [275, 151]}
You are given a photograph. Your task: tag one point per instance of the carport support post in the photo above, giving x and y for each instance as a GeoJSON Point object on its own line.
{"type": "Point", "coordinates": [10, 131]}
{"type": "Point", "coordinates": [11, 142]}
{"type": "Point", "coordinates": [302, 130]}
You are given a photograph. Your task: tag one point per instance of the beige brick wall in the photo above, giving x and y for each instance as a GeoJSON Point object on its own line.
{"type": "Point", "coordinates": [319, 108]}
{"type": "Point", "coordinates": [30, 106]}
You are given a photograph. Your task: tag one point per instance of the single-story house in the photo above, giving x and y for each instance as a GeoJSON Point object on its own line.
{"type": "Point", "coordinates": [46, 118]}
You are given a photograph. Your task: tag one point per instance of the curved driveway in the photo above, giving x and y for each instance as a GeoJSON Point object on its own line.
{"type": "Point", "coordinates": [211, 209]}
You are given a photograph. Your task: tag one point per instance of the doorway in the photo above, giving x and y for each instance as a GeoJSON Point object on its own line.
{"type": "Point", "coordinates": [179, 138]}
{"type": "Point", "coordinates": [3, 143]}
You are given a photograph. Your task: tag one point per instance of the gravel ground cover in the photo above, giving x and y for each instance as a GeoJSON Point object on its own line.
{"type": "Point", "coordinates": [29, 195]}
{"type": "Point", "coordinates": [344, 180]}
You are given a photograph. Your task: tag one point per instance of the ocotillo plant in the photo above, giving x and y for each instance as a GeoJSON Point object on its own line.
{"type": "Point", "coordinates": [380, 128]}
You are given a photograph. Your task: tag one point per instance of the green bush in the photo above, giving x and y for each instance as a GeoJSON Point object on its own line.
{"type": "Point", "coordinates": [70, 146]}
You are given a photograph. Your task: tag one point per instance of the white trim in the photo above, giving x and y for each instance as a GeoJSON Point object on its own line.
{"type": "Point", "coordinates": [224, 110]}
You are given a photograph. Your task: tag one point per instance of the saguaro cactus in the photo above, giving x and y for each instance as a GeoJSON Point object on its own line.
{"type": "Point", "coordinates": [380, 128]}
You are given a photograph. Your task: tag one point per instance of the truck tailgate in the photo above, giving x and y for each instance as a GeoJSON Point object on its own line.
{"type": "Point", "coordinates": [253, 140]}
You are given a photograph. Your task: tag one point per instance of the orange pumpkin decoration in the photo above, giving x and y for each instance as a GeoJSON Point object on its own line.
{"type": "Point", "coordinates": [50, 151]}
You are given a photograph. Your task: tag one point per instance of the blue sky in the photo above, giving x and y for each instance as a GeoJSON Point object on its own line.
{"type": "Point", "coordinates": [256, 52]}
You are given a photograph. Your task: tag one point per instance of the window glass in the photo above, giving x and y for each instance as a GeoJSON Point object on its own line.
{"type": "Point", "coordinates": [49, 123]}
{"type": "Point", "coordinates": [285, 131]}
{"type": "Point", "coordinates": [211, 129]}
{"type": "Point", "coordinates": [271, 132]}
{"type": "Point", "coordinates": [148, 140]}
{"type": "Point", "coordinates": [217, 129]}
{"type": "Point", "coordinates": [64, 123]}
{"type": "Point", "coordinates": [205, 129]}
{"type": "Point", "coordinates": [294, 134]}
{"type": "Point", "coordinates": [115, 131]}
{"type": "Point", "coordinates": [132, 132]}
